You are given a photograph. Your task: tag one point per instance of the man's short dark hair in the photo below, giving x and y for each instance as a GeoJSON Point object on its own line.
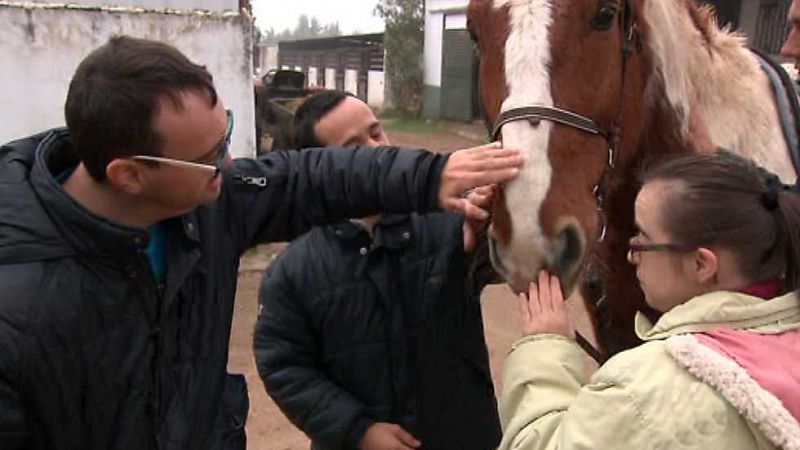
{"type": "Point", "coordinates": [313, 109]}
{"type": "Point", "coordinates": [114, 96]}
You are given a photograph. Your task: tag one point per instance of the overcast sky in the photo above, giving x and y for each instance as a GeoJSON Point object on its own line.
{"type": "Point", "coordinates": [352, 15]}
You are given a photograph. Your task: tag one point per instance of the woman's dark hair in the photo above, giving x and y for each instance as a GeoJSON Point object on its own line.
{"type": "Point", "coordinates": [114, 95]}
{"type": "Point", "coordinates": [313, 109]}
{"type": "Point", "coordinates": [727, 201]}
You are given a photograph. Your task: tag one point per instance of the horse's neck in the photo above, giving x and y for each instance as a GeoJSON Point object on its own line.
{"type": "Point", "coordinates": [713, 72]}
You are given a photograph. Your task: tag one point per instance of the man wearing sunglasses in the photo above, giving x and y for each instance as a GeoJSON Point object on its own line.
{"type": "Point", "coordinates": [120, 237]}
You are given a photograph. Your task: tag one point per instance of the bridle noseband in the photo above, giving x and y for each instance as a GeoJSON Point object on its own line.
{"type": "Point", "coordinates": [563, 116]}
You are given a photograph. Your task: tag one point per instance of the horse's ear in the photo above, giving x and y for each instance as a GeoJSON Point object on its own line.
{"type": "Point", "coordinates": [667, 26]}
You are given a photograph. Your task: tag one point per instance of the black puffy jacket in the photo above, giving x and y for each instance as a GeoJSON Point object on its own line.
{"type": "Point", "coordinates": [355, 329]}
{"type": "Point", "coordinates": [93, 353]}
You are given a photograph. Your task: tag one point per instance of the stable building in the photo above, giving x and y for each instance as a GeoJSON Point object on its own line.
{"type": "Point", "coordinates": [346, 63]}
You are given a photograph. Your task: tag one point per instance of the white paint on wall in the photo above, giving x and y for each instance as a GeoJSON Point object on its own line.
{"type": "Point", "coordinates": [434, 30]}
{"type": "Point", "coordinates": [268, 58]}
{"type": "Point", "coordinates": [446, 5]}
{"type": "Point", "coordinates": [375, 89]}
{"type": "Point", "coordinates": [351, 81]}
{"type": "Point", "coordinates": [455, 21]}
{"type": "Point", "coordinates": [211, 5]}
{"type": "Point", "coordinates": [45, 45]}
{"type": "Point", "coordinates": [312, 76]}
{"type": "Point", "coordinates": [330, 78]}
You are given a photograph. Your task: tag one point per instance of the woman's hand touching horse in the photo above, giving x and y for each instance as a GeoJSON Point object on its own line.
{"type": "Point", "coordinates": [543, 310]}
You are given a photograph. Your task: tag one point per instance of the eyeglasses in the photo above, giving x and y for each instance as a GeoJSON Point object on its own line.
{"type": "Point", "coordinates": [221, 151]}
{"type": "Point", "coordinates": [661, 247]}
{"type": "Point", "coordinates": [635, 248]}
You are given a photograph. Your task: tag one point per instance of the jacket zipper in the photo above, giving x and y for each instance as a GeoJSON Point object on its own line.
{"type": "Point", "coordinates": [155, 335]}
{"type": "Point", "coordinates": [260, 182]}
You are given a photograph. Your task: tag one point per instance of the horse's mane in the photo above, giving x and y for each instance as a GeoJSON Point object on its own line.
{"type": "Point", "coordinates": [691, 53]}
{"type": "Point", "coordinates": [698, 65]}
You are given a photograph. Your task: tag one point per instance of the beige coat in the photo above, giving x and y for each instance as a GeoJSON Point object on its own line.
{"type": "Point", "coordinates": [643, 398]}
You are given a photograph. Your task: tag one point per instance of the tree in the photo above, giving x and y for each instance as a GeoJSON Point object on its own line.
{"type": "Point", "coordinates": [404, 43]}
{"type": "Point", "coordinates": [308, 27]}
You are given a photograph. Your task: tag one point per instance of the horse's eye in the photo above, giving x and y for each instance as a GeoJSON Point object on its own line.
{"type": "Point", "coordinates": [604, 19]}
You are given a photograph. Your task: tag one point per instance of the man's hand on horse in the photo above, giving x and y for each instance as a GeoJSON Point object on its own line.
{"type": "Point", "coordinates": [473, 167]}
{"type": "Point", "coordinates": [482, 197]}
{"type": "Point", "coordinates": [543, 310]}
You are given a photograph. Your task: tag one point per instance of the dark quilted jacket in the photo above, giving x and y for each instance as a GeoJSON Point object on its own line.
{"type": "Point", "coordinates": [94, 354]}
{"type": "Point", "coordinates": [356, 329]}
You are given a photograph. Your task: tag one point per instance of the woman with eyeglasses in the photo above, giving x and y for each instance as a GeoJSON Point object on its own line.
{"type": "Point", "coordinates": [717, 252]}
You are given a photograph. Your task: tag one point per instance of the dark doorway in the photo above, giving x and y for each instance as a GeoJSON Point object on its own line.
{"type": "Point", "coordinates": [728, 11]}
{"type": "Point", "coordinates": [458, 72]}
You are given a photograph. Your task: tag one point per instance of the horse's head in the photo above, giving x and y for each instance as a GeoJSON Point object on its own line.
{"type": "Point", "coordinates": [571, 61]}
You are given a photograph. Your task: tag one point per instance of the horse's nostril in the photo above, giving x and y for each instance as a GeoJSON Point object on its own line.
{"type": "Point", "coordinates": [569, 248]}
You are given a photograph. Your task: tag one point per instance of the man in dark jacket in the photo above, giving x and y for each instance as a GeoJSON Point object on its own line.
{"type": "Point", "coordinates": [120, 238]}
{"type": "Point", "coordinates": [791, 46]}
{"type": "Point", "coordinates": [370, 333]}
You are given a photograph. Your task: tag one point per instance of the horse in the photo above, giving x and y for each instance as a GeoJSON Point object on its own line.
{"type": "Point", "coordinates": [589, 90]}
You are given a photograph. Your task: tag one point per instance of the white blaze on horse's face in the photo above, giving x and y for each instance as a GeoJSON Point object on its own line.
{"type": "Point", "coordinates": [527, 62]}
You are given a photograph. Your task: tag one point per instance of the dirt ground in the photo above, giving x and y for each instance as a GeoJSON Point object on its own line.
{"type": "Point", "coordinates": [267, 428]}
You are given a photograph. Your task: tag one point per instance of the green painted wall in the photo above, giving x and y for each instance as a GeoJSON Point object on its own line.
{"type": "Point", "coordinates": [457, 72]}
{"type": "Point", "coordinates": [431, 102]}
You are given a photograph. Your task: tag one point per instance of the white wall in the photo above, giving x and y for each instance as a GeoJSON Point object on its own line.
{"type": "Point", "coordinates": [213, 5]}
{"type": "Point", "coordinates": [312, 76]}
{"type": "Point", "coordinates": [434, 27]}
{"type": "Point", "coordinates": [41, 46]}
{"type": "Point", "coordinates": [351, 81]}
{"type": "Point", "coordinates": [268, 58]}
{"type": "Point", "coordinates": [375, 88]}
{"type": "Point", "coordinates": [455, 21]}
{"type": "Point", "coordinates": [330, 78]}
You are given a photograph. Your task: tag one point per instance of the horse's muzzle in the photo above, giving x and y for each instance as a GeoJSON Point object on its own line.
{"type": "Point", "coordinates": [568, 250]}
{"type": "Point", "coordinates": [566, 253]}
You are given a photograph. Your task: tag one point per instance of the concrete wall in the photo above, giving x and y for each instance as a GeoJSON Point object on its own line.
{"type": "Point", "coordinates": [311, 77]}
{"type": "Point", "coordinates": [351, 81]}
{"type": "Point", "coordinates": [376, 89]}
{"type": "Point", "coordinates": [268, 58]}
{"type": "Point", "coordinates": [212, 5]}
{"type": "Point", "coordinates": [436, 14]}
{"type": "Point", "coordinates": [330, 78]}
{"type": "Point", "coordinates": [41, 45]}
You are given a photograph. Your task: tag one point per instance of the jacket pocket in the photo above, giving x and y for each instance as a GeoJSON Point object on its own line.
{"type": "Point", "coordinates": [229, 432]}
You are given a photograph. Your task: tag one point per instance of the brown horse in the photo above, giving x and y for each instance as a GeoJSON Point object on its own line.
{"type": "Point", "coordinates": [589, 90]}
